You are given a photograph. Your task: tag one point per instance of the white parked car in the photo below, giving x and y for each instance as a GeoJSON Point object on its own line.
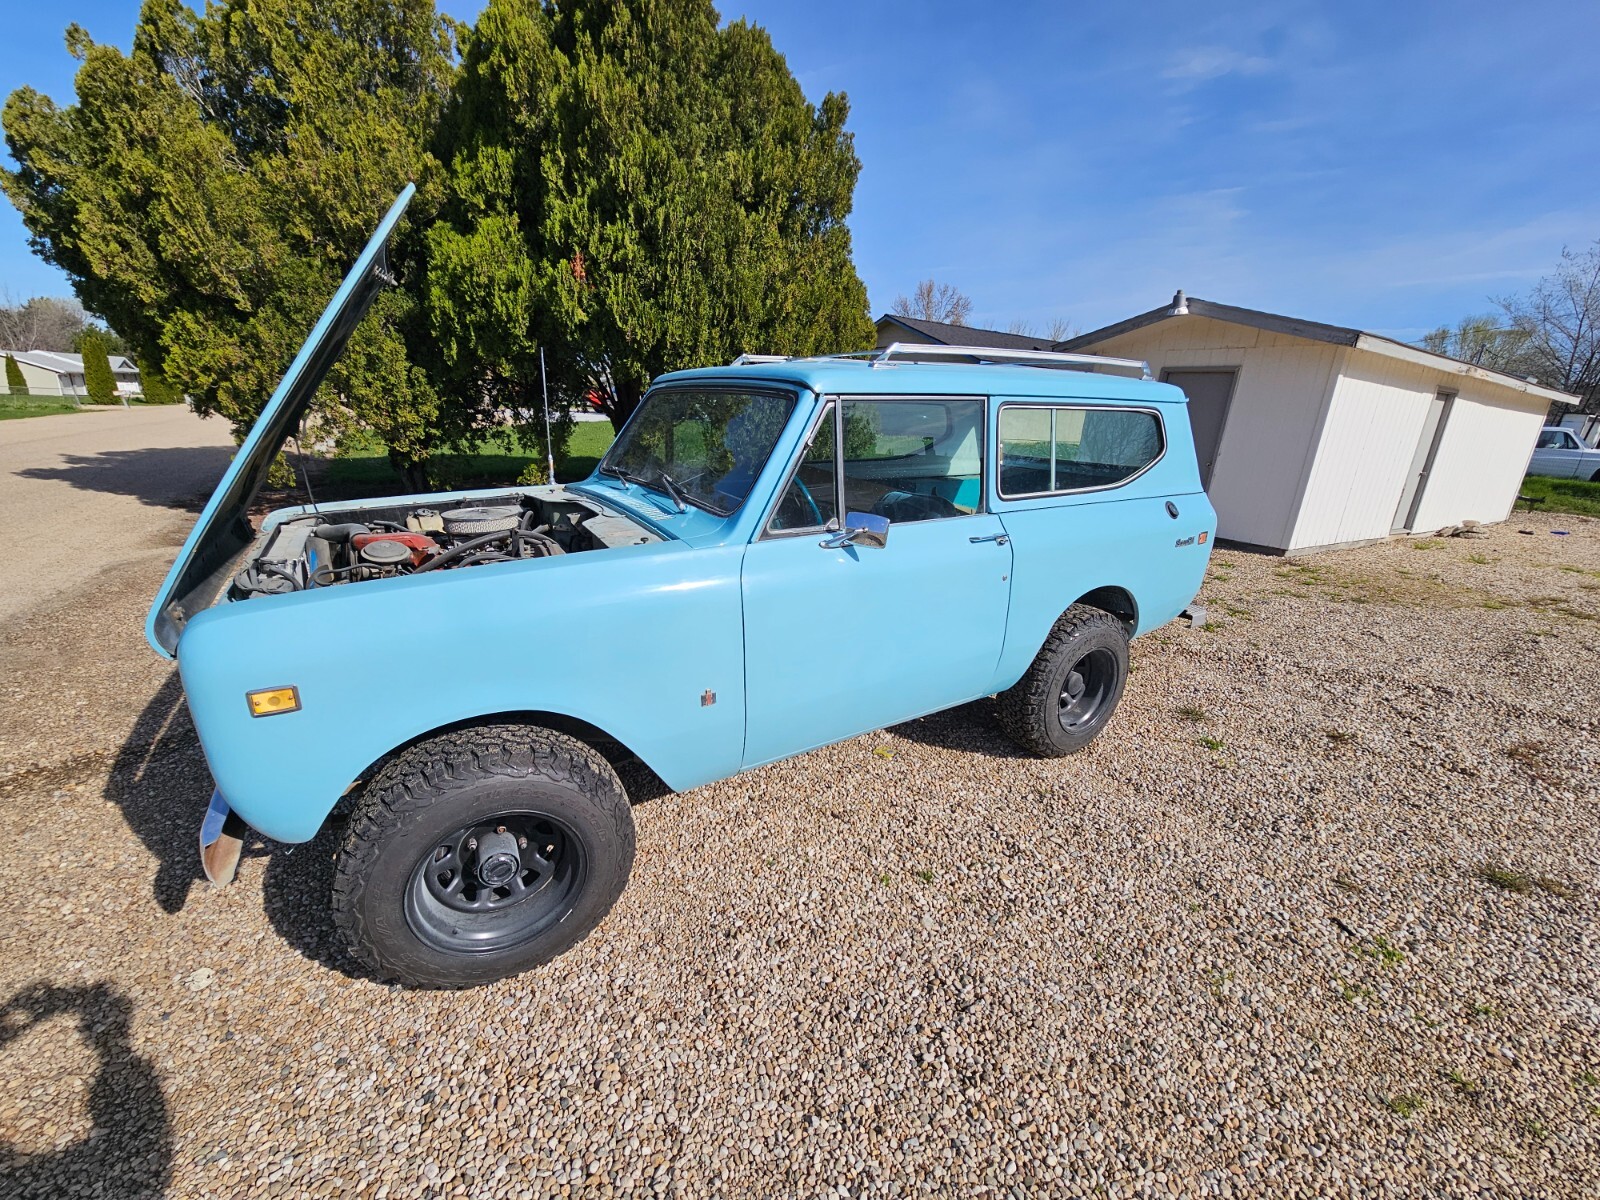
{"type": "Point", "coordinates": [1559, 454]}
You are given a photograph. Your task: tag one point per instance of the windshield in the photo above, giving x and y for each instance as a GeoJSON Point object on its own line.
{"type": "Point", "coordinates": [701, 447]}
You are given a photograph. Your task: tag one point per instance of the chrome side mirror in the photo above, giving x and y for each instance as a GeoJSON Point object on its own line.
{"type": "Point", "coordinates": [860, 529]}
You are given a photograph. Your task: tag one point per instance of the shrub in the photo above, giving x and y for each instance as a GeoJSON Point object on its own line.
{"type": "Point", "coordinates": [98, 380]}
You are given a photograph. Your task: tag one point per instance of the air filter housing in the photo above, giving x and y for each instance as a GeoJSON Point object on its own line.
{"type": "Point", "coordinates": [475, 522]}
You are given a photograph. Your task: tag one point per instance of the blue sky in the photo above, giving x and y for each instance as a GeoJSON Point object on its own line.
{"type": "Point", "coordinates": [1386, 165]}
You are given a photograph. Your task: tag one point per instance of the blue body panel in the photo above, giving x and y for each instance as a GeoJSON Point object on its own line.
{"type": "Point", "coordinates": [626, 639]}
{"type": "Point", "coordinates": [841, 641]}
{"type": "Point", "coordinates": [799, 644]}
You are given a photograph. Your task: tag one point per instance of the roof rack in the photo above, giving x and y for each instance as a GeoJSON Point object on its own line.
{"type": "Point", "coordinates": [916, 352]}
{"type": "Point", "coordinates": [919, 352]}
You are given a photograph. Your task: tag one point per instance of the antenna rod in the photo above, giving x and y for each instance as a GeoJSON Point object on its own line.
{"type": "Point", "coordinates": [549, 448]}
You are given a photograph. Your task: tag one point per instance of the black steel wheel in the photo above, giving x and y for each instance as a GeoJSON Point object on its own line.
{"type": "Point", "coordinates": [480, 854]}
{"type": "Point", "coordinates": [1088, 686]}
{"type": "Point", "coordinates": [495, 883]}
{"type": "Point", "coordinates": [1068, 694]}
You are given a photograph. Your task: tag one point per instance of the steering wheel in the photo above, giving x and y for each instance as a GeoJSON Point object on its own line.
{"type": "Point", "coordinates": [792, 508]}
{"type": "Point", "coordinates": [805, 493]}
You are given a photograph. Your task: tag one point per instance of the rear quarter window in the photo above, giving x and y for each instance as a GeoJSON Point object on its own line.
{"type": "Point", "coordinates": [1047, 449]}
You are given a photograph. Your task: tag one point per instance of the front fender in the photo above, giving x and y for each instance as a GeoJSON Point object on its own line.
{"type": "Point", "coordinates": [630, 640]}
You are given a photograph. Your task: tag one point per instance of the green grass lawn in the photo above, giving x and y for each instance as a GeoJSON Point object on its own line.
{"type": "Point", "coordinates": [1560, 495]}
{"type": "Point", "coordinates": [495, 465]}
{"type": "Point", "coordinates": [10, 410]}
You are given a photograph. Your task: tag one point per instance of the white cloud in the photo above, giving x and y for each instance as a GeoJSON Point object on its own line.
{"type": "Point", "coordinates": [1200, 63]}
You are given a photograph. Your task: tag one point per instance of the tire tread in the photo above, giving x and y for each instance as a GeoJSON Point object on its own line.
{"type": "Point", "coordinates": [1024, 708]}
{"type": "Point", "coordinates": [427, 774]}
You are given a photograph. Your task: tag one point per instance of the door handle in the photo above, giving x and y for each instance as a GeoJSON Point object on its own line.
{"type": "Point", "coordinates": [999, 539]}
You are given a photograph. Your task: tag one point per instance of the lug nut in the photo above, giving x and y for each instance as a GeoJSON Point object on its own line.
{"type": "Point", "coordinates": [522, 843]}
{"type": "Point", "coordinates": [472, 843]}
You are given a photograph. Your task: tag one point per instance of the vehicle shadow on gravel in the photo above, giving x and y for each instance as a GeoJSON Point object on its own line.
{"type": "Point", "coordinates": [971, 728]}
{"type": "Point", "coordinates": [172, 476]}
{"type": "Point", "coordinates": [160, 781]}
{"type": "Point", "coordinates": [128, 1151]}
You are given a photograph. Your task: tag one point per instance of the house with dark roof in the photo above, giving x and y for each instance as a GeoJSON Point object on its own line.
{"type": "Point", "coordinates": [892, 329]}
{"type": "Point", "coordinates": [56, 373]}
{"type": "Point", "coordinates": [1312, 436]}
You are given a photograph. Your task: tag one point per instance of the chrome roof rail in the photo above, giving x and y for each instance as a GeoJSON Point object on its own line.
{"type": "Point", "coordinates": [929, 352]}
{"type": "Point", "coordinates": [918, 352]}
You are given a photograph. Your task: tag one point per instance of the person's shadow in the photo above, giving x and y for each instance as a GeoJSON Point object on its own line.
{"type": "Point", "coordinates": [128, 1152]}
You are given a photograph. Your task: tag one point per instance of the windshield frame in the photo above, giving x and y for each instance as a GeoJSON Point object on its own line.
{"type": "Point", "coordinates": [609, 468]}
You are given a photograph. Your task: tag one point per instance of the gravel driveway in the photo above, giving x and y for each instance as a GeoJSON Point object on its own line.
{"type": "Point", "coordinates": [1317, 916]}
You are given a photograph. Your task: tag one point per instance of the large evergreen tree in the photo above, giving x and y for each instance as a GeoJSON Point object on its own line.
{"type": "Point", "coordinates": [207, 190]}
{"type": "Point", "coordinates": [639, 191]}
{"type": "Point", "coordinates": [16, 382]}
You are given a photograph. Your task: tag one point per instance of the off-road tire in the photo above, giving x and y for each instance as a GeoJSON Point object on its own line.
{"type": "Point", "coordinates": [452, 781]}
{"type": "Point", "coordinates": [1030, 711]}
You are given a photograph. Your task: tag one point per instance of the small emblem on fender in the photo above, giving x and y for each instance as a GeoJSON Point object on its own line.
{"type": "Point", "coordinates": [1188, 541]}
{"type": "Point", "coordinates": [707, 698]}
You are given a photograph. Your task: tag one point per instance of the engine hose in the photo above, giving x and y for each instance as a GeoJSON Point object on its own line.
{"type": "Point", "coordinates": [460, 550]}
{"type": "Point", "coordinates": [339, 533]}
{"type": "Point", "coordinates": [544, 545]}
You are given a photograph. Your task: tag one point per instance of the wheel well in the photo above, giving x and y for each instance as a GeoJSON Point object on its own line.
{"type": "Point", "coordinates": [611, 749]}
{"type": "Point", "coordinates": [1116, 601]}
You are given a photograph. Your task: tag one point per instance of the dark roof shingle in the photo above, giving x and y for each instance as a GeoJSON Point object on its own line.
{"type": "Point", "coordinates": [967, 335]}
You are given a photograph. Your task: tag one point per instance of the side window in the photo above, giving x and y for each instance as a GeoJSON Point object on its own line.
{"type": "Point", "coordinates": [913, 460]}
{"type": "Point", "coordinates": [1552, 439]}
{"type": "Point", "coordinates": [1069, 449]}
{"type": "Point", "coordinates": [807, 501]}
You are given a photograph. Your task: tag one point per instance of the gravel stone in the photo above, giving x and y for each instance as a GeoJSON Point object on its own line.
{"type": "Point", "coordinates": [1249, 943]}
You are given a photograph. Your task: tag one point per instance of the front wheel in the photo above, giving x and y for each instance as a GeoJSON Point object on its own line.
{"type": "Point", "coordinates": [1069, 693]}
{"type": "Point", "coordinates": [480, 854]}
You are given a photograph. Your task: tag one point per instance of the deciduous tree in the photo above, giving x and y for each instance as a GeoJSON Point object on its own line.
{"type": "Point", "coordinates": [934, 301]}
{"type": "Point", "coordinates": [1560, 322]}
{"type": "Point", "coordinates": [1484, 341]}
{"type": "Point", "coordinates": [42, 323]}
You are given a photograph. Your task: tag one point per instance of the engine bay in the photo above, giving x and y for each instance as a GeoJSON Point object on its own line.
{"type": "Point", "coordinates": [380, 541]}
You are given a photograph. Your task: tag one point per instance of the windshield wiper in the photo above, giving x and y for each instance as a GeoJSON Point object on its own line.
{"type": "Point", "coordinates": [673, 490]}
{"type": "Point", "coordinates": [618, 472]}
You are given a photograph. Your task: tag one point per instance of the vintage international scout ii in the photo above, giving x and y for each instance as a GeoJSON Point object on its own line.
{"type": "Point", "coordinates": [773, 556]}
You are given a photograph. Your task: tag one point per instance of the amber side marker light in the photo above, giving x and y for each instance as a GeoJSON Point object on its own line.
{"type": "Point", "coordinates": [269, 702]}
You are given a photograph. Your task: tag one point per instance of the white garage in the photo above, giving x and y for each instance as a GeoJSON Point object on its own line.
{"type": "Point", "coordinates": [1312, 436]}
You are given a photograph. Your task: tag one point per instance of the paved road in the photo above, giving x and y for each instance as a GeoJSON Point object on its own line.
{"type": "Point", "coordinates": [76, 492]}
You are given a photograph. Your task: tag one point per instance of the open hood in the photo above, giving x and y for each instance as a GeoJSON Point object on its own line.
{"type": "Point", "coordinates": [224, 526]}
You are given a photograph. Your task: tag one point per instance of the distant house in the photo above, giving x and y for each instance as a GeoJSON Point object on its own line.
{"type": "Point", "coordinates": [1311, 436]}
{"type": "Point", "coordinates": [893, 329]}
{"type": "Point", "coordinates": [52, 373]}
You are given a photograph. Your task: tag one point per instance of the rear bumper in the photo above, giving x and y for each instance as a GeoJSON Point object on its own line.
{"type": "Point", "coordinates": [222, 835]}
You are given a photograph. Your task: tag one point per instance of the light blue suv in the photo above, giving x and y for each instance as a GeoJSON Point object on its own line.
{"type": "Point", "coordinates": [773, 556]}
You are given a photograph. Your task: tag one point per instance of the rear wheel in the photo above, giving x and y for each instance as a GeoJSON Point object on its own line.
{"type": "Point", "coordinates": [1069, 693]}
{"type": "Point", "coordinates": [482, 853]}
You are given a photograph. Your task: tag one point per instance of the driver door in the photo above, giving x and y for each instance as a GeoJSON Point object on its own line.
{"type": "Point", "coordinates": [839, 641]}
